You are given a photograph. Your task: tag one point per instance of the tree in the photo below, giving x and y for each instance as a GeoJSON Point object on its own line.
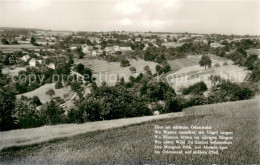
{"type": "Point", "coordinates": [242, 51]}
{"type": "Point", "coordinates": [27, 116]}
{"type": "Point", "coordinates": [50, 92]}
{"type": "Point", "coordinates": [36, 101]}
{"type": "Point", "coordinates": [1, 73]}
{"type": "Point", "coordinates": [158, 69]}
{"type": "Point", "coordinates": [4, 41]}
{"type": "Point", "coordinates": [132, 69]}
{"type": "Point", "coordinates": [80, 68]}
{"type": "Point", "coordinates": [7, 110]}
{"type": "Point", "coordinates": [124, 63]}
{"type": "Point", "coordinates": [255, 76]}
{"type": "Point", "coordinates": [148, 56]}
{"type": "Point", "coordinates": [58, 85]}
{"type": "Point", "coordinates": [33, 41]}
{"type": "Point", "coordinates": [195, 89]}
{"type": "Point", "coordinates": [250, 61]}
{"type": "Point", "coordinates": [205, 61]}
{"type": "Point", "coordinates": [157, 91]}
{"type": "Point", "coordinates": [147, 70]}
{"type": "Point", "coordinates": [53, 113]}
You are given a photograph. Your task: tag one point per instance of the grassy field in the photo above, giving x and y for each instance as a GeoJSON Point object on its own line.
{"type": "Point", "coordinates": [186, 71]}
{"type": "Point", "coordinates": [134, 144]}
{"type": "Point", "coordinates": [254, 51]}
{"type": "Point", "coordinates": [104, 71]}
{"type": "Point", "coordinates": [181, 63]}
{"type": "Point", "coordinates": [10, 71]}
{"type": "Point", "coordinates": [192, 60]}
{"type": "Point", "coordinates": [41, 93]}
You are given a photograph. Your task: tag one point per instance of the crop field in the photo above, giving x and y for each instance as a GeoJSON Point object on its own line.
{"type": "Point", "coordinates": [104, 71]}
{"type": "Point", "coordinates": [41, 93]}
{"type": "Point", "coordinates": [135, 144]}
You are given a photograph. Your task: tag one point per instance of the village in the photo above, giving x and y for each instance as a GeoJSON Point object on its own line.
{"type": "Point", "coordinates": [107, 54]}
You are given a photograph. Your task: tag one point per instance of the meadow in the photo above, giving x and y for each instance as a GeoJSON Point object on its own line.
{"type": "Point", "coordinates": [44, 98]}
{"type": "Point", "coordinates": [187, 71]}
{"type": "Point", "coordinates": [134, 144]}
{"type": "Point", "coordinates": [108, 71]}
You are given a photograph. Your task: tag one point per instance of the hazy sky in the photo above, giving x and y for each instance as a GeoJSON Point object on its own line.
{"type": "Point", "coordinates": [200, 16]}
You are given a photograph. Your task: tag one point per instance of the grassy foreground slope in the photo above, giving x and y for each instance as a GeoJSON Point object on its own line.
{"type": "Point", "coordinates": [135, 143]}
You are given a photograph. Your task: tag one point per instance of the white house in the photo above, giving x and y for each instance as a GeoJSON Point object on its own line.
{"type": "Point", "coordinates": [117, 48]}
{"type": "Point", "coordinates": [86, 49]}
{"type": "Point", "coordinates": [52, 66]}
{"type": "Point", "coordinates": [25, 58]}
{"type": "Point", "coordinates": [216, 45]}
{"type": "Point", "coordinates": [40, 61]}
{"type": "Point", "coordinates": [94, 53]}
{"type": "Point", "coordinates": [145, 46]}
{"type": "Point", "coordinates": [138, 39]}
{"type": "Point", "coordinates": [125, 49]}
{"type": "Point", "coordinates": [37, 54]}
{"type": "Point", "coordinates": [73, 48]}
{"type": "Point", "coordinates": [32, 62]}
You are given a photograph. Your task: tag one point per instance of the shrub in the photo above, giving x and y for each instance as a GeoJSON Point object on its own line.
{"type": "Point", "coordinates": [124, 63]}
{"type": "Point", "coordinates": [195, 100]}
{"type": "Point", "coordinates": [58, 85]}
{"type": "Point", "coordinates": [36, 101]}
{"type": "Point", "coordinates": [173, 104]}
{"type": "Point", "coordinates": [52, 114]}
{"type": "Point", "coordinates": [7, 109]}
{"type": "Point", "coordinates": [225, 63]}
{"type": "Point", "coordinates": [228, 91]}
{"type": "Point", "coordinates": [157, 91]}
{"type": "Point", "coordinates": [50, 92]}
{"type": "Point", "coordinates": [132, 69]}
{"type": "Point", "coordinates": [196, 89]}
{"type": "Point", "coordinates": [26, 116]}
{"type": "Point", "coordinates": [217, 65]}
{"type": "Point", "coordinates": [255, 75]}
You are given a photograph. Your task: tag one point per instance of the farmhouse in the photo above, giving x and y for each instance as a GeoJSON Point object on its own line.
{"type": "Point", "coordinates": [125, 49]}
{"type": "Point", "coordinates": [94, 53]}
{"type": "Point", "coordinates": [86, 49]}
{"type": "Point", "coordinates": [25, 58]}
{"type": "Point", "coordinates": [145, 46]}
{"type": "Point", "coordinates": [215, 45]}
{"type": "Point", "coordinates": [74, 46]}
{"type": "Point", "coordinates": [37, 54]}
{"type": "Point", "coordinates": [52, 66]}
{"type": "Point", "coordinates": [32, 62]}
{"type": "Point", "coordinates": [40, 61]}
{"type": "Point", "coordinates": [99, 52]}
{"type": "Point", "coordinates": [109, 50]}
{"type": "Point", "coordinates": [42, 41]}
{"type": "Point", "coordinates": [138, 39]}
{"type": "Point", "coordinates": [146, 40]}
{"type": "Point", "coordinates": [117, 48]}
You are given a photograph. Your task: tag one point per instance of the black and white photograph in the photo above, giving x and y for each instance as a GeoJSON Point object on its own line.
{"type": "Point", "coordinates": [148, 82]}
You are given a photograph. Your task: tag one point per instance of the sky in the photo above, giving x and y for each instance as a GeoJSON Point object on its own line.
{"type": "Point", "coordinates": [196, 16]}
